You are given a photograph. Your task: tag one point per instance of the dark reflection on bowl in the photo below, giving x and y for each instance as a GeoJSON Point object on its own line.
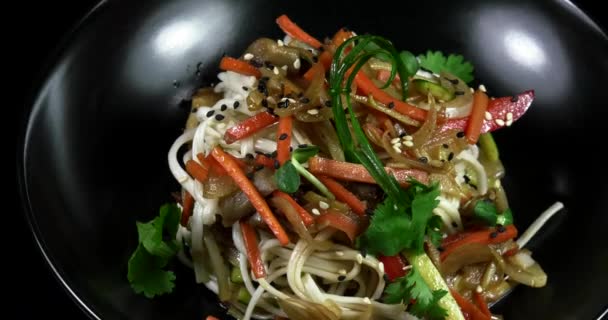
{"type": "Point", "coordinates": [94, 157]}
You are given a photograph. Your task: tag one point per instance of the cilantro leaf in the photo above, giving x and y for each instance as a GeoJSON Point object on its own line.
{"type": "Point", "coordinates": [454, 64]}
{"type": "Point", "coordinates": [413, 287]}
{"type": "Point", "coordinates": [302, 155]}
{"type": "Point", "coordinates": [423, 203]}
{"type": "Point", "coordinates": [410, 62]}
{"type": "Point", "coordinates": [434, 230]}
{"type": "Point", "coordinates": [146, 274]}
{"type": "Point", "coordinates": [287, 178]}
{"type": "Point", "coordinates": [157, 245]}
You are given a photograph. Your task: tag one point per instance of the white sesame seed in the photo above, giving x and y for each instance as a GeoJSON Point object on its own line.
{"type": "Point", "coordinates": [398, 144]}
{"type": "Point", "coordinates": [397, 149]}
{"type": "Point", "coordinates": [408, 138]}
{"type": "Point", "coordinates": [323, 205]}
{"type": "Point", "coordinates": [381, 267]}
{"type": "Point", "coordinates": [359, 258]}
{"type": "Point", "coordinates": [280, 43]}
{"type": "Point", "coordinates": [366, 300]}
{"type": "Point", "coordinates": [408, 144]}
{"type": "Point", "coordinates": [472, 90]}
{"type": "Point", "coordinates": [497, 183]}
{"type": "Point", "coordinates": [271, 100]}
{"type": "Point", "coordinates": [291, 100]}
{"type": "Point", "coordinates": [395, 140]}
{"type": "Point", "coordinates": [509, 116]}
{"type": "Point", "coordinates": [509, 123]}
{"type": "Point", "coordinates": [248, 56]}
{"type": "Point", "coordinates": [482, 88]}
{"type": "Point", "coordinates": [342, 271]}
{"type": "Point", "coordinates": [221, 125]}
{"type": "Point", "coordinates": [316, 211]}
{"type": "Point", "coordinates": [340, 253]}
{"type": "Point", "coordinates": [275, 70]}
{"type": "Point", "coordinates": [282, 99]}
{"type": "Point", "coordinates": [284, 68]}
{"type": "Point", "coordinates": [488, 116]}
{"type": "Point", "coordinates": [407, 267]}
{"type": "Point", "coordinates": [313, 111]}
{"type": "Point", "coordinates": [478, 289]}
{"type": "Point", "coordinates": [353, 33]}
{"type": "Point", "coordinates": [500, 122]}
{"type": "Point", "coordinates": [297, 64]}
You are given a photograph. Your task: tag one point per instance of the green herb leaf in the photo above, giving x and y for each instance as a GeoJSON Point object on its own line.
{"type": "Point", "coordinates": [506, 218]}
{"type": "Point", "coordinates": [287, 178]}
{"type": "Point", "coordinates": [434, 230]}
{"type": "Point", "coordinates": [423, 203]}
{"type": "Point", "coordinates": [454, 64]}
{"type": "Point", "coordinates": [413, 287]}
{"type": "Point", "coordinates": [302, 155]}
{"type": "Point", "coordinates": [485, 211]}
{"type": "Point", "coordinates": [410, 62]}
{"type": "Point", "coordinates": [157, 245]}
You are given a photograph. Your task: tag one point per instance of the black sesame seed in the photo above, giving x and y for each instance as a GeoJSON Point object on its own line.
{"type": "Point", "coordinates": [460, 134]}
{"type": "Point", "coordinates": [315, 59]}
{"type": "Point", "coordinates": [402, 134]}
{"type": "Point", "coordinates": [305, 100]}
{"type": "Point", "coordinates": [290, 148]}
{"type": "Point", "coordinates": [459, 93]}
{"type": "Point", "coordinates": [514, 99]}
{"type": "Point", "coordinates": [268, 155]}
{"type": "Point", "coordinates": [210, 113]}
{"type": "Point", "coordinates": [440, 248]}
{"type": "Point", "coordinates": [256, 63]}
{"type": "Point", "coordinates": [328, 103]}
{"type": "Point", "coordinates": [274, 154]}
{"type": "Point", "coordinates": [386, 278]}
{"type": "Point", "coordinates": [224, 107]}
{"type": "Point", "coordinates": [249, 175]}
{"type": "Point", "coordinates": [283, 136]}
{"type": "Point", "coordinates": [264, 79]}
{"type": "Point", "coordinates": [258, 167]}
{"type": "Point", "coordinates": [445, 145]}
{"type": "Point", "coordinates": [304, 145]}
{"type": "Point", "coordinates": [283, 104]}
{"type": "Point", "coordinates": [249, 156]}
{"type": "Point", "coordinates": [391, 105]}
{"type": "Point", "coordinates": [493, 234]}
{"type": "Point", "coordinates": [454, 224]}
{"type": "Point", "coordinates": [453, 81]}
{"type": "Point", "coordinates": [321, 49]}
{"type": "Point", "coordinates": [219, 117]}
{"type": "Point", "coordinates": [259, 152]}
{"type": "Point", "coordinates": [236, 104]}
{"type": "Point", "coordinates": [341, 278]}
{"type": "Point", "coordinates": [194, 110]}
{"type": "Point", "coordinates": [500, 228]}
{"type": "Point", "coordinates": [423, 159]}
{"type": "Point", "coordinates": [364, 252]}
{"type": "Point", "coordinates": [450, 156]}
{"type": "Point", "coordinates": [466, 179]}
{"type": "Point", "coordinates": [264, 103]}
{"type": "Point", "coordinates": [269, 110]}
{"type": "Point", "coordinates": [269, 65]}
{"type": "Point", "coordinates": [276, 164]}
{"type": "Point", "coordinates": [245, 88]}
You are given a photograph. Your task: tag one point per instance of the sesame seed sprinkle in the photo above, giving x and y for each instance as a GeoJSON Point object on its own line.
{"type": "Point", "coordinates": [284, 68]}
{"type": "Point", "coordinates": [482, 88]}
{"type": "Point", "coordinates": [381, 267]}
{"type": "Point", "coordinates": [497, 184]}
{"type": "Point", "coordinates": [313, 112]}
{"type": "Point", "coordinates": [248, 56]}
{"type": "Point", "coordinates": [478, 289]}
{"type": "Point", "coordinates": [323, 205]}
{"type": "Point", "coordinates": [408, 143]}
{"type": "Point", "coordinates": [219, 117]}
{"type": "Point", "coordinates": [275, 70]}
{"type": "Point", "coordinates": [509, 123]}
{"type": "Point", "coordinates": [500, 122]}
{"type": "Point", "coordinates": [341, 278]}
{"type": "Point", "coordinates": [359, 258]}
{"type": "Point", "coordinates": [283, 136]}
{"type": "Point", "coordinates": [397, 149]}
{"type": "Point", "coordinates": [224, 107]}
{"type": "Point", "coordinates": [472, 90]}
{"type": "Point", "coordinates": [342, 271]}
{"type": "Point", "coordinates": [316, 212]}
{"type": "Point", "coordinates": [297, 64]}
{"type": "Point", "coordinates": [488, 116]}
{"type": "Point", "coordinates": [408, 138]}
{"type": "Point", "coordinates": [340, 253]}
{"type": "Point", "coordinates": [236, 105]}
{"type": "Point", "coordinates": [280, 43]}
{"type": "Point", "coordinates": [210, 113]}
{"type": "Point", "coordinates": [395, 140]}
{"type": "Point", "coordinates": [509, 116]}
{"type": "Point", "coordinates": [366, 300]}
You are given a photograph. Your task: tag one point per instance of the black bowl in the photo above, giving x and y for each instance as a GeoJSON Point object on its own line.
{"type": "Point", "coordinates": [92, 158]}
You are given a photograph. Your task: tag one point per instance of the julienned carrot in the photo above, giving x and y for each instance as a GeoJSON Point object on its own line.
{"type": "Point", "coordinates": [369, 88]}
{"type": "Point", "coordinates": [238, 66]}
{"type": "Point", "coordinates": [467, 307]}
{"type": "Point", "coordinates": [197, 171]}
{"type": "Point", "coordinates": [249, 126]}
{"type": "Point", "coordinates": [253, 251]}
{"type": "Point", "coordinates": [211, 318]}
{"type": "Point", "coordinates": [265, 161]}
{"type": "Point", "coordinates": [306, 217]}
{"type": "Point", "coordinates": [481, 303]}
{"type": "Point", "coordinates": [478, 113]}
{"type": "Point", "coordinates": [211, 165]}
{"type": "Point", "coordinates": [284, 138]}
{"type": "Point", "coordinates": [342, 35]}
{"type": "Point", "coordinates": [355, 172]}
{"type": "Point", "coordinates": [314, 70]}
{"type": "Point", "coordinates": [187, 206]}
{"type": "Point", "coordinates": [258, 202]}
{"type": "Point", "coordinates": [344, 195]}
{"type": "Point", "coordinates": [292, 30]}
{"type": "Point", "coordinates": [488, 236]}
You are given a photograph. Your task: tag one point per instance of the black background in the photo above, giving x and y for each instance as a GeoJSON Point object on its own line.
{"type": "Point", "coordinates": [34, 33]}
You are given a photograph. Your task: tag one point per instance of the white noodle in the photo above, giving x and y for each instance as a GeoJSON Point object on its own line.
{"type": "Point", "coordinates": [539, 223]}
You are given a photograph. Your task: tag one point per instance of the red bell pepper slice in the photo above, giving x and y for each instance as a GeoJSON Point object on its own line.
{"type": "Point", "coordinates": [394, 266]}
{"type": "Point", "coordinates": [498, 108]}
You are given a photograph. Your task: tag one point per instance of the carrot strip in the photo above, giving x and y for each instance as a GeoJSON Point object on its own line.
{"type": "Point", "coordinates": [480, 105]}
{"type": "Point", "coordinates": [344, 195]}
{"type": "Point", "coordinates": [342, 35]}
{"type": "Point", "coordinates": [355, 172]}
{"type": "Point", "coordinates": [481, 303]}
{"type": "Point", "coordinates": [249, 126]}
{"type": "Point", "coordinates": [489, 236]}
{"type": "Point", "coordinates": [265, 161]}
{"type": "Point", "coordinates": [313, 71]}
{"type": "Point", "coordinates": [325, 60]}
{"type": "Point", "coordinates": [187, 206]}
{"type": "Point", "coordinates": [211, 318]}
{"type": "Point", "coordinates": [306, 217]}
{"type": "Point", "coordinates": [197, 171]}
{"type": "Point", "coordinates": [284, 138]}
{"type": "Point", "coordinates": [253, 252]}
{"type": "Point", "coordinates": [238, 66]}
{"type": "Point", "coordinates": [468, 308]}
{"type": "Point", "coordinates": [258, 202]}
{"type": "Point", "coordinates": [366, 85]}
{"type": "Point", "coordinates": [211, 165]}
{"type": "Point", "coordinates": [349, 223]}
{"type": "Point", "coordinates": [292, 30]}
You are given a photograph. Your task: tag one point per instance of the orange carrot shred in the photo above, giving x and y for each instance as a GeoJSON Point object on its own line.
{"type": "Point", "coordinates": [187, 206]}
{"type": "Point", "coordinates": [253, 251]}
{"type": "Point", "coordinates": [292, 30]}
{"type": "Point", "coordinates": [306, 217]}
{"type": "Point", "coordinates": [238, 66]}
{"type": "Point", "coordinates": [197, 171]}
{"type": "Point", "coordinates": [344, 195]}
{"type": "Point", "coordinates": [480, 105]}
{"type": "Point", "coordinates": [249, 127]}
{"type": "Point", "coordinates": [284, 138]}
